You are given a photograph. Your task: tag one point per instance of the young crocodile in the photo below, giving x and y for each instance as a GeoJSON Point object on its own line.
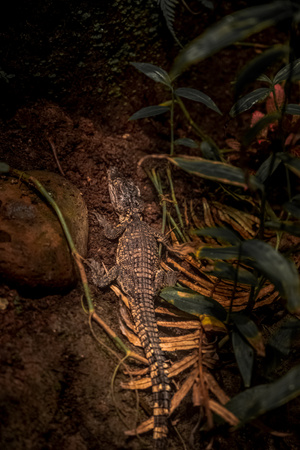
{"type": "Point", "coordinates": [138, 274]}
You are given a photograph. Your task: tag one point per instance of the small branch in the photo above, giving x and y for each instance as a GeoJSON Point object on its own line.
{"type": "Point", "coordinates": [117, 341]}
{"type": "Point", "coordinates": [51, 143]}
{"type": "Point", "coordinates": [172, 124]}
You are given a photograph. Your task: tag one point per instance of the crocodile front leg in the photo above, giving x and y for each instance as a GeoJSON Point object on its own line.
{"type": "Point", "coordinates": [163, 279]}
{"type": "Point", "coordinates": [110, 231]}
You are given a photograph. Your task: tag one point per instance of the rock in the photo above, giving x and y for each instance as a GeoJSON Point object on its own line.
{"type": "Point", "coordinates": [34, 253]}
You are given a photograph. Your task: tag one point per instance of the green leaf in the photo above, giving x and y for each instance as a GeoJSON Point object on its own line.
{"type": "Point", "coordinates": [187, 142]}
{"type": "Point", "coordinates": [223, 253]}
{"type": "Point", "coordinates": [258, 400]}
{"type": "Point", "coordinates": [266, 79]}
{"type": "Point", "coordinates": [249, 100]}
{"type": "Point", "coordinates": [292, 163]}
{"type": "Point", "coordinates": [264, 258]}
{"type": "Point", "coordinates": [230, 29]}
{"type": "Point", "coordinates": [217, 171]}
{"type": "Point", "coordinates": [4, 168]}
{"type": "Point", "coordinates": [292, 109]}
{"type": "Point", "coordinates": [258, 65]}
{"type": "Point", "coordinates": [249, 331]}
{"type": "Point", "coordinates": [193, 302]}
{"type": "Point", "coordinates": [290, 70]}
{"type": "Point", "coordinates": [197, 96]}
{"type": "Point", "coordinates": [221, 233]}
{"type": "Point", "coordinates": [210, 151]}
{"type": "Point", "coordinates": [259, 126]}
{"type": "Point", "coordinates": [288, 227]}
{"type": "Point", "coordinates": [168, 7]}
{"type": "Point", "coordinates": [264, 170]}
{"type": "Point", "coordinates": [207, 3]}
{"type": "Point", "coordinates": [293, 206]}
{"type": "Point", "coordinates": [283, 338]}
{"type": "Point", "coordinates": [149, 111]}
{"type": "Point", "coordinates": [154, 72]}
{"type": "Point", "coordinates": [280, 344]}
{"type": "Point", "coordinates": [244, 356]}
{"type": "Point", "coordinates": [227, 271]}
{"type": "Point", "coordinates": [278, 269]}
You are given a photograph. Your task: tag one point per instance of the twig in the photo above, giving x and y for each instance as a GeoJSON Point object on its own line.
{"type": "Point", "coordinates": [55, 155]}
{"type": "Point", "coordinates": [190, 10]}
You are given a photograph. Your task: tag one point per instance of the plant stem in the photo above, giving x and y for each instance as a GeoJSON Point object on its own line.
{"type": "Point", "coordinates": [172, 124]}
{"type": "Point", "coordinates": [275, 98]}
{"type": "Point", "coordinates": [175, 226]}
{"type": "Point", "coordinates": [174, 198]}
{"type": "Point", "coordinates": [196, 128]}
{"type": "Point", "coordinates": [155, 178]}
{"type": "Point", "coordinates": [235, 281]}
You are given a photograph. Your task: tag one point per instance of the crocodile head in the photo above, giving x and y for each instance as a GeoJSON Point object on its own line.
{"type": "Point", "coordinates": [124, 195]}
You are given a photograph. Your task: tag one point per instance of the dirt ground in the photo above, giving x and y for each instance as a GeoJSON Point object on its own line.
{"type": "Point", "coordinates": [54, 376]}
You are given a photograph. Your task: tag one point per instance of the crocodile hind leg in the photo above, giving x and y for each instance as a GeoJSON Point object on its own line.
{"type": "Point", "coordinates": [163, 279]}
{"type": "Point", "coordinates": [99, 276]}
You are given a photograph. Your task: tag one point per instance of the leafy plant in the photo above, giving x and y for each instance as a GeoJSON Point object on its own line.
{"type": "Point", "coordinates": [246, 261]}
{"type": "Point", "coordinates": [274, 92]}
{"type": "Point", "coordinates": [168, 10]}
{"type": "Point", "coordinates": [168, 7]}
{"type": "Point", "coordinates": [159, 75]}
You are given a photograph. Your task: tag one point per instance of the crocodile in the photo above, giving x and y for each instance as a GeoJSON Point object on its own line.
{"type": "Point", "coordinates": [138, 274]}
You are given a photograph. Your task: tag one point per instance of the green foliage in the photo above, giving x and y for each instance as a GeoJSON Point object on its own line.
{"type": "Point", "coordinates": [254, 131]}
{"type": "Point", "coordinates": [230, 29]}
{"type": "Point", "coordinates": [187, 142]}
{"type": "Point", "coordinates": [292, 109]}
{"type": "Point", "coordinates": [226, 271]}
{"type": "Point", "coordinates": [168, 10]}
{"type": "Point", "coordinates": [197, 96]}
{"type": "Point", "coordinates": [255, 69]}
{"type": "Point", "coordinates": [267, 168]}
{"type": "Point", "coordinates": [287, 227]}
{"type": "Point", "coordinates": [290, 71]}
{"type": "Point", "coordinates": [262, 257]}
{"type": "Point", "coordinates": [159, 75]}
{"type": "Point", "coordinates": [258, 400]}
{"type": "Point", "coordinates": [193, 303]}
{"type": "Point", "coordinates": [149, 111]}
{"type": "Point", "coordinates": [249, 262]}
{"type": "Point", "coordinates": [244, 355]}
{"type": "Point", "coordinates": [4, 168]}
{"type": "Point", "coordinates": [210, 151]}
{"type": "Point", "coordinates": [283, 338]}
{"type": "Point", "coordinates": [217, 171]}
{"type": "Point", "coordinates": [249, 100]}
{"type": "Point", "coordinates": [156, 73]}
{"type": "Point", "coordinates": [293, 206]}
{"type": "Point", "coordinates": [291, 163]}
{"type": "Point", "coordinates": [222, 234]}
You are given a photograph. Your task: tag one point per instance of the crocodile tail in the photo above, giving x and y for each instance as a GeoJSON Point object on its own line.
{"type": "Point", "coordinates": [160, 396]}
{"type": "Point", "coordinates": [145, 322]}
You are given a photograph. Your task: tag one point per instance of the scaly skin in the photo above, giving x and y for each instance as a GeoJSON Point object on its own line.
{"type": "Point", "coordinates": [137, 272]}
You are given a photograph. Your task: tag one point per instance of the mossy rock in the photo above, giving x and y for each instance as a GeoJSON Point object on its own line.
{"type": "Point", "coordinates": [34, 253]}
